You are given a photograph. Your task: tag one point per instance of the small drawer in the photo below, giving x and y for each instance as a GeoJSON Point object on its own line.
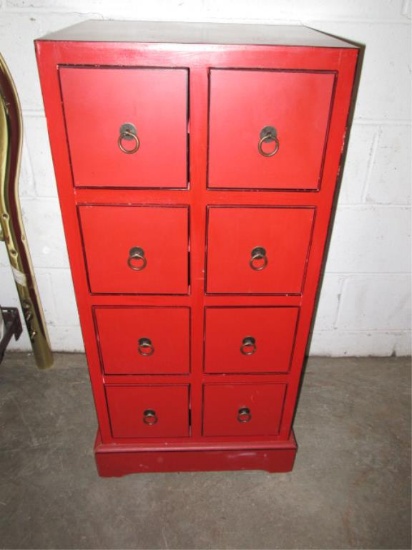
{"type": "Point", "coordinates": [126, 127]}
{"type": "Point", "coordinates": [258, 250]}
{"type": "Point", "coordinates": [136, 249]}
{"type": "Point", "coordinates": [148, 411]}
{"type": "Point", "coordinates": [242, 409]}
{"type": "Point", "coordinates": [138, 340]}
{"type": "Point", "coordinates": [268, 129]}
{"type": "Point", "coordinates": [249, 340]}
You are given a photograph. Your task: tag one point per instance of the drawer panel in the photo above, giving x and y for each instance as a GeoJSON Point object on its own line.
{"type": "Point", "coordinates": [243, 103]}
{"type": "Point", "coordinates": [99, 101]}
{"type": "Point", "coordinates": [242, 409]}
{"type": "Point", "coordinates": [258, 250]}
{"type": "Point", "coordinates": [138, 340]}
{"type": "Point", "coordinates": [136, 249]}
{"type": "Point", "coordinates": [249, 340]}
{"type": "Point", "coordinates": [148, 411]}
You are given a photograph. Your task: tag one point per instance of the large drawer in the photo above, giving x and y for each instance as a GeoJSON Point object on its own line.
{"type": "Point", "coordinates": [242, 409]}
{"type": "Point", "coordinates": [143, 340]}
{"type": "Point", "coordinates": [136, 249]}
{"type": "Point", "coordinates": [268, 129]}
{"type": "Point", "coordinates": [148, 411]}
{"type": "Point", "coordinates": [249, 340]}
{"type": "Point", "coordinates": [126, 127]}
{"type": "Point", "coordinates": [261, 250]}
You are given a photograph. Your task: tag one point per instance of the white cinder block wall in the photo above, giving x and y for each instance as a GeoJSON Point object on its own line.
{"type": "Point", "coordinates": [365, 303]}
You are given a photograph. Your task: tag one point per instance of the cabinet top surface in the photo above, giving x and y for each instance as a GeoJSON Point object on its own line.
{"type": "Point", "coordinates": [196, 33]}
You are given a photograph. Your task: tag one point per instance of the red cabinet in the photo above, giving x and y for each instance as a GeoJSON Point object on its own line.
{"type": "Point", "coordinates": [196, 167]}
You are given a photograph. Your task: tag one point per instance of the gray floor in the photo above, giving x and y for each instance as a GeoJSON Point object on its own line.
{"type": "Point", "coordinates": [350, 487]}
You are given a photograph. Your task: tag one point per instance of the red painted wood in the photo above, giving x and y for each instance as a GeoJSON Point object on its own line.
{"type": "Point", "coordinates": [119, 331]}
{"type": "Point", "coordinates": [198, 200]}
{"type": "Point", "coordinates": [115, 460]}
{"type": "Point", "coordinates": [242, 103]}
{"type": "Point", "coordinates": [223, 403]}
{"type": "Point", "coordinates": [97, 101]}
{"type": "Point", "coordinates": [184, 286]}
{"type": "Point", "coordinates": [111, 232]}
{"type": "Point", "coordinates": [169, 404]}
{"type": "Point", "coordinates": [233, 233]}
{"type": "Point", "coordinates": [273, 330]}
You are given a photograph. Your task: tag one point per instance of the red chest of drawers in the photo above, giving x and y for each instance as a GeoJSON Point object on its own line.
{"type": "Point", "coordinates": [196, 168]}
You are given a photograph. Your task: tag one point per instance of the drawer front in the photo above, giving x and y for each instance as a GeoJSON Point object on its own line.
{"type": "Point", "coordinates": [249, 340]}
{"type": "Point", "coordinates": [258, 250]}
{"type": "Point", "coordinates": [148, 411]}
{"type": "Point", "coordinates": [98, 102]}
{"type": "Point", "coordinates": [243, 153]}
{"type": "Point", "coordinates": [138, 340]}
{"type": "Point", "coordinates": [242, 409]}
{"type": "Point", "coordinates": [136, 249]}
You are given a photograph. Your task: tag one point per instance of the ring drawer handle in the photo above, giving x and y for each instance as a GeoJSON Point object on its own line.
{"type": "Point", "coordinates": [150, 417]}
{"type": "Point", "coordinates": [258, 259]}
{"type": "Point", "coordinates": [137, 259]}
{"type": "Point", "coordinates": [248, 346]}
{"type": "Point", "coordinates": [128, 132]}
{"type": "Point", "coordinates": [145, 347]}
{"type": "Point", "coordinates": [244, 415]}
{"type": "Point", "coordinates": [268, 134]}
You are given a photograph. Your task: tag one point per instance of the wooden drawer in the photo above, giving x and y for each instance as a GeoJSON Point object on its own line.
{"type": "Point", "coordinates": [258, 250]}
{"type": "Point", "coordinates": [148, 411]}
{"type": "Point", "coordinates": [139, 340]}
{"type": "Point", "coordinates": [136, 249]}
{"type": "Point", "coordinates": [242, 409]}
{"type": "Point", "coordinates": [243, 103]}
{"type": "Point", "coordinates": [99, 101]}
{"type": "Point", "coordinates": [249, 340]}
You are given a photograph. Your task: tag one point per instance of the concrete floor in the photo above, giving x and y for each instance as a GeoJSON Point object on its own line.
{"type": "Point", "coordinates": [350, 487]}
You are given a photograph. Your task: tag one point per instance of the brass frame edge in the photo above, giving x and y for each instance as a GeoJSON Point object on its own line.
{"type": "Point", "coordinates": [11, 224]}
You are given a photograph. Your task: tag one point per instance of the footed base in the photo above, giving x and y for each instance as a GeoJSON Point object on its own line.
{"type": "Point", "coordinates": [119, 460]}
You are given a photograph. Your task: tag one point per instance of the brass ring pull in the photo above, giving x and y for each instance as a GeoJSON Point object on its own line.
{"type": "Point", "coordinates": [248, 346]}
{"type": "Point", "coordinates": [268, 134]}
{"type": "Point", "coordinates": [128, 132]}
{"type": "Point", "coordinates": [258, 259]}
{"type": "Point", "coordinates": [145, 347]}
{"type": "Point", "coordinates": [137, 259]}
{"type": "Point", "coordinates": [150, 417]}
{"type": "Point", "coordinates": [244, 415]}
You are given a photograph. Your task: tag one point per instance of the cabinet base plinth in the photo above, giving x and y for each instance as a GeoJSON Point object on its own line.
{"type": "Point", "coordinates": [118, 460]}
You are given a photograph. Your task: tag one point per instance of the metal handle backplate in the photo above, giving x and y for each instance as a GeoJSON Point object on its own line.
{"type": "Point", "coordinates": [145, 347]}
{"type": "Point", "coordinates": [128, 133]}
{"type": "Point", "coordinates": [244, 415]}
{"type": "Point", "coordinates": [137, 259]}
{"type": "Point", "coordinates": [268, 134]}
{"type": "Point", "coordinates": [258, 259]}
{"type": "Point", "coordinates": [248, 346]}
{"type": "Point", "coordinates": [150, 417]}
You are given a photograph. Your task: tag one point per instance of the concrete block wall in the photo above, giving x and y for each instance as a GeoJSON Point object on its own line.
{"type": "Point", "coordinates": [365, 303]}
